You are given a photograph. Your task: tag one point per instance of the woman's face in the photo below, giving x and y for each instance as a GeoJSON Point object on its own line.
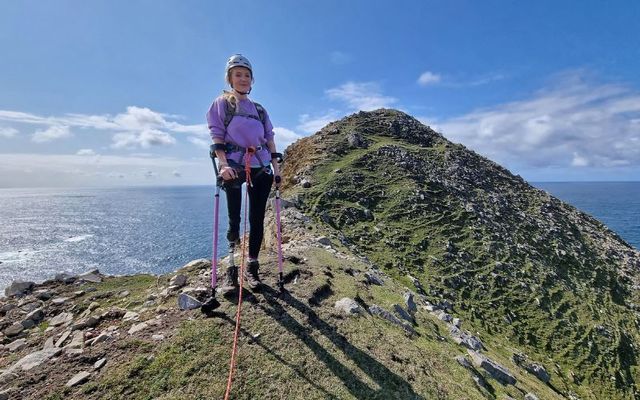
{"type": "Point", "coordinates": [241, 79]}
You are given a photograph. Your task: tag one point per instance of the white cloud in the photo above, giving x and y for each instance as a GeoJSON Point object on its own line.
{"type": "Point", "coordinates": [579, 161]}
{"type": "Point", "coordinates": [427, 78]}
{"type": "Point", "coordinates": [137, 126]}
{"type": "Point", "coordinates": [86, 152]}
{"type": "Point", "coordinates": [202, 143]}
{"type": "Point", "coordinates": [340, 58]}
{"type": "Point", "coordinates": [45, 170]}
{"type": "Point", "coordinates": [569, 123]}
{"type": "Point", "coordinates": [365, 96]}
{"type": "Point", "coordinates": [8, 132]}
{"type": "Point", "coordinates": [309, 124]}
{"type": "Point", "coordinates": [144, 139]}
{"type": "Point", "coordinates": [139, 118]}
{"type": "Point", "coordinates": [484, 80]}
{"type": "Point", "coordinates": [284, 137]}
{"type": "Point", "coordinates": [54, 132]}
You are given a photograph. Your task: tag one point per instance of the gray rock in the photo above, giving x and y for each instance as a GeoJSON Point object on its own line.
{"type": "Point", "coordinates": [138, 328]}
{"type": "Point", "coordinates": [536, 369]}
{"type": "Point", "coordinates": [5, 394]}
{"type": "Point", "coordinates": [325, 241]}
{"type": "Point", "coordinates": [356, 140]}
{"type": "Point", "coordinates": [530, 396]}
{"type": "Point", "coordinates": [496, 370]}
{"type": "Point", "coordinates": [539, 371]}
{"type": "Point", "coordinates": [6, 377]}
{"type": "Point", "coordinates": [103, 337]}
{"type": "Point", "coordinates": [411, 304]}
{"type": "Point", "coordinates": [32, 360]}
{"type": "Point", "coordinates": [17, 345]}
{"type": "Point", "coordinates": [18, 288]}
{"type": "Point", "coordinates": [123, 294]}
{"type": "Point", "coordinates": [77, 342]}
{"type": "Point", "coordinates": [465, 338]}
{"type": "Point", "coordinates": [91, 276]}
{"type": "Point", "coordinates": [100, 363]}
{"type": "Point", "coordinates": [61, 319]}
{"type": "Point", "coordinates": [114, 313]}
{"type": "Point", "coordinates": [417, 284]}
{"type": "Point", "coordinates": [43, 294]}
{"type": "Point", "coordinates": [58, 301]}
{"type": "Point", "coordinates": [65, 278]}
{"type": "Point", "coordinates": [79, 378]}
{"type": "Point", "coordinates": [28, 323]}
{"type": "Point", "coordinates": [199, 293]}
{"type": "Point", "coordinates": [49, 344]}
{"type": "Point", "coordinates": [187, 302]}
{"type": "Point", "coordinates": [36, 315]}
{"type": "Point", "coordinates": [130, 316]}
{"type": "Point", "coordinates": [14, 329]}
{"type": "Point", "coordinates": [382, 313]}
{"type": "Point", "coordinates": [29, 306]}
{"type": "Point", "coordinates": [89, 322]}
{"type": "Point", "coordinates": [178, 281]}
{"type": "Point", "coordinates": [402, 313]}
{"type": "Point", "coordinates": [7, 307]}
{"type": "Point", "coordinates": [456, 322]}
{"type": "Point", "coordinates": [200, 263]}
{"type": "Point", "coordinates": [443, 316]}
{"type": "Point", "coordinates": [306, 183]}
{"type": "Point", "coordinates": [462, 360]}
{"type": "Point", "coordinates": [431, 307]}
{"type": "Point", "coordinates": [348, 306]}
{"type": "Point", "coordinates": [373, 277]}
{"type": "Point", "coordinates": [446, 305]}
{"type": "Point", "coordinates": [62, 338]}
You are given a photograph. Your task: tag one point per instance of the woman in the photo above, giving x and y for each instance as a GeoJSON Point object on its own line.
{"type": "Point", "coordinates": [237, 124]}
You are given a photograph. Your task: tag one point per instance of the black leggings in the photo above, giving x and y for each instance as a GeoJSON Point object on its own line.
{"type": "Point", "coordinates": [258, 195]}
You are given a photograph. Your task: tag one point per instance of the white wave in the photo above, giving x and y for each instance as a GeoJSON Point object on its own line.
{"type": "Point", "coordinates": [14, 256]}
{"type": "Point", "coordinates": [78, 238]}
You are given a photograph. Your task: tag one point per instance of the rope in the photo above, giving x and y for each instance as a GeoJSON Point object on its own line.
{"type": "Point", "coordinates": [234, 352]}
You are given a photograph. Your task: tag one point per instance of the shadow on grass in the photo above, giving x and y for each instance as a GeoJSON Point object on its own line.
{"type": "Point", "coordinates": [391, 385]}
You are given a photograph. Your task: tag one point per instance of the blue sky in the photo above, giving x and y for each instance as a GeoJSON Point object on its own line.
{"type": "Point", "coordinates": [101, 93]}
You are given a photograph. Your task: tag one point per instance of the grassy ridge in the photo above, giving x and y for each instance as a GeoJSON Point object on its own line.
{"type": "Point", "coordinates": [525, 269]}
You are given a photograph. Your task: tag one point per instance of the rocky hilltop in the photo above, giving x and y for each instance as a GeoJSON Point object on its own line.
{"type": "Point", "coordinates": [456, 227]}
{"type": "Point", "coordinates": [415, 269]}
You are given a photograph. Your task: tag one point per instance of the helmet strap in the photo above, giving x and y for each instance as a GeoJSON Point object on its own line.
{"type": "Point", "coordinates": [242, 93]}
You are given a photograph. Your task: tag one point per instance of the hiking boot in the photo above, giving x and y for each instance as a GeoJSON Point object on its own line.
{"type": "Point", "coordinates": [251, 274]}
{"type": "Point", "coordinates": [230, 281]}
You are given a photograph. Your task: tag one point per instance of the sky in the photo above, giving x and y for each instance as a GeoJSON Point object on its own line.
{"type": "Point", "coordinates": [114, 93]}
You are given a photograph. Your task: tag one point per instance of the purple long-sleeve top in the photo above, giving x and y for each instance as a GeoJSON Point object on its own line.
{"type": "Point", "coordinates": [242, 131]}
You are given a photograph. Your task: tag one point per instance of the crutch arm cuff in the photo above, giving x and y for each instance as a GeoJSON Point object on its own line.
{"type": "Point", "coordinates": [277, 157]}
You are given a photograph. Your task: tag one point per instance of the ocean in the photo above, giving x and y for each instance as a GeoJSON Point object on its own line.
{"type": "Point", "coordinates": [157, 230]}
{"type": "Point", "coordinates": [119, 231]}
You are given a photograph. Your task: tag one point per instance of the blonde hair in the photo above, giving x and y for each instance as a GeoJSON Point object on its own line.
{"type": "Point", "coordinates": [230, 97]}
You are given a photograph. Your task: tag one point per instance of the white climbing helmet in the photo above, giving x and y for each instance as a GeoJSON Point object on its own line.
{"type": "Point", "coordinates": [238, 60]}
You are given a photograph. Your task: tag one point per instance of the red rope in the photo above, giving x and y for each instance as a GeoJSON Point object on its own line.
{"type": "Point", "coordinates": [234, 352]}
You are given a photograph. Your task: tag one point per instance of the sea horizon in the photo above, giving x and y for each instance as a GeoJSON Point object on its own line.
{"type": "Point", "coordinates": [157, 229]}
